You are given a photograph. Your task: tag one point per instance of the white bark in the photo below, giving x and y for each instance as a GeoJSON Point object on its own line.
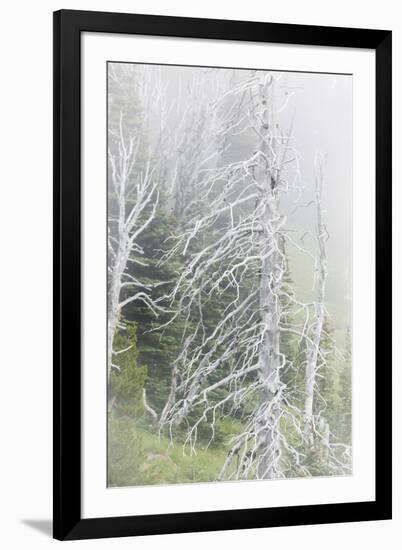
{"type": "Point", "coordinates": [272, 268]}
{"type": "Point", "coordinates": [313, 343]}
{"type": "Point", "coordinates": [147, 407]}
{"type": "Point", "coordinates": [231, 237]}
{"type": "Point", "coordinates": [135, 192]}
{"type": "Point", "coordinates": [243, 214]}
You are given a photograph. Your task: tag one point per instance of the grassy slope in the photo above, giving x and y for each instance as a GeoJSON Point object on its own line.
{"type": "Point", "coordinates": [138, 457]}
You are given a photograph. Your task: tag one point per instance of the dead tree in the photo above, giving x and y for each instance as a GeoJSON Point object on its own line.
{"type": "Point", "coordinates": [133, 197]}
{"type": "Point", "coordinates": [313, 343]}
{"type": "Point", "coordinates": [246, 234]}
{"type": "Point", "coordinates": [317, 431]}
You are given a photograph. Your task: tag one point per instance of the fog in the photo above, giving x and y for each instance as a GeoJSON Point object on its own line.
{"type": "Point", "coordinates": [317, 110]}
{"type": "Point", "coordinates": [229, 262]}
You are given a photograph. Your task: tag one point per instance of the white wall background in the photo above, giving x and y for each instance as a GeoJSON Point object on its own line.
{"type": "Point", "coordinates": [26, 271]}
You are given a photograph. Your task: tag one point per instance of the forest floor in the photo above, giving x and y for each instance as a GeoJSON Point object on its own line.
{"type": "Point", "coordinates": [138, 457]}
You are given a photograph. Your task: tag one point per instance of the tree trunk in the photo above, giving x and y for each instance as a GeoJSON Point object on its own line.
{"type": "Point", "coordinates": [114, 300]}
{"type": "Point", "coordinates": [268, 420]}
{"type": "Point", "coordinates": [268, 444]}
{"type": "Point", "coordinates": [313, 342]}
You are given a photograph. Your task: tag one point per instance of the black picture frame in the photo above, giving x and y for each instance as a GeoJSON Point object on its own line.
{"type": "Point", "coordinates": [68, 26]}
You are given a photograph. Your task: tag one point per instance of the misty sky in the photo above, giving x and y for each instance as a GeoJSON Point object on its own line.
{"type": "Point", "coordinates": [318, 108]}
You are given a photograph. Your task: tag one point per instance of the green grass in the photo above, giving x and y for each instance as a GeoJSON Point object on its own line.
{"type": "Point", "coordinates": [138, 457]}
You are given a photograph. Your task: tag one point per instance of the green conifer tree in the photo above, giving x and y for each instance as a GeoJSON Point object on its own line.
{"type": "Point", "coordinates": [127, 381]}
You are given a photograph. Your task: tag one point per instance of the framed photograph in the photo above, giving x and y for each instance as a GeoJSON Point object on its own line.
{"type": "Point", "coordinates": [222, 274]}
